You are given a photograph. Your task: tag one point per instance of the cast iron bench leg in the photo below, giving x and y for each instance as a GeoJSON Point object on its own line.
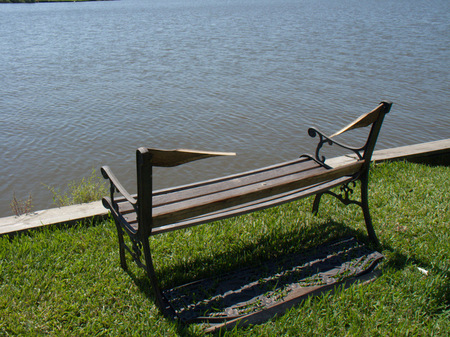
{"type": "Point", "coordinates": [315, 208]}
{"type": "Point", "coordinates": [365, 207]}
{"type": "Point", "coordinates": [152, 276]}
{"type": "Point", "coordinates": [123, 262]}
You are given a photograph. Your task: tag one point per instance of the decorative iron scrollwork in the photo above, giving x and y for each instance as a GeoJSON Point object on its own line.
{"type": "Point", "coordinates": [322, 140]}
{"type": "Point", "coordinates": [136, 250]}
{"type": "Point", "coordinates": [346, 190]}
{"type": "Point", "coordinates": [326, 140]}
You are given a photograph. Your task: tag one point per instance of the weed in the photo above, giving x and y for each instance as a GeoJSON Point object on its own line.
{"type": "Point", "coordinates": [20, 207]}
{"type": "Point", "coordinates": [88, 189]}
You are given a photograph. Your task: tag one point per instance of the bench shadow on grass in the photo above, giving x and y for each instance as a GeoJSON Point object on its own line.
{"type": "Point", "coordinates": [277, 245]}
{"type": "Point", "coordinates": [271, 262]}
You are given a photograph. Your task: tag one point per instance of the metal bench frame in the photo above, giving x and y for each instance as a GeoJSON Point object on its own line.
{"type": "Point", "coordinates": [153, 212]}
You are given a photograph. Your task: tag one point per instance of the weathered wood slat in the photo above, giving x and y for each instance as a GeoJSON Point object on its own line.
{"type": "Point", "coordinates": [180, 193]}
{"type": "Point", "coordinates": [169, 158]}
{"type": "Point", "coordinates": [242, 194]}
{"type": "Point", "coordinates": [251, 206]}
{"type": "Point", "coordinates": [362, 121]}
{"type": "Point", "coordinates": [230, 182]}
{"type": "Point", "coordinates": [228, 177]}
{"type": "Point", "coordinates": [218, 195]}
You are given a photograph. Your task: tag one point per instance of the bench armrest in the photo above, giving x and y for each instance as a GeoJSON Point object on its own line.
{"type": "Point", "coordinates": [325, 139]}
{"type": "Point", "coordinates": [116, 185]}
{"type": "Point", "coordinates": [374, 118]}
{"type": "Point", "coordinates": [169, 158]}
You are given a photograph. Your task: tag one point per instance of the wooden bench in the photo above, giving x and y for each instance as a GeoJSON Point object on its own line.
{"type": "Point", "coordinates": [153, 212]}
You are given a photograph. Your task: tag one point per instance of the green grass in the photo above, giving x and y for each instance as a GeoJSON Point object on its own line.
{"type": "Point", "coordinates": [68, 282]}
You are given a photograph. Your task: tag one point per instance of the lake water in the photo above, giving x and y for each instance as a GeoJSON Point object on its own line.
{"type": "Point", "coordinates": [84, 84]}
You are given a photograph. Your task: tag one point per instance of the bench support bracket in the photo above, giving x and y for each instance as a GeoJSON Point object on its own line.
{"type": "Point", "coordinates": [346, 190]}
{"type": "Point", "coordinates": [162, 304]}
{"type": "Point", "coordinates": [139, 248]}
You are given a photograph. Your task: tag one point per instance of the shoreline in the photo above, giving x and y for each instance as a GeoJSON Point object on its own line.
{"type": "Point", "coordinates": [434, 153]}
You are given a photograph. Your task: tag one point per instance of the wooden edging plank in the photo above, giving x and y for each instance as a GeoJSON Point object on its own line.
{"type": "Point", "coordinates": [54, 216]}
{"type": "Point", "coordinates": [84, 212]}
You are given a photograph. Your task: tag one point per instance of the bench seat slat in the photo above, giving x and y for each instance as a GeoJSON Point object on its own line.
{"type": "Point", "coordinates": [237, 175]}
{"type": "Point", "coordinates": [252, 206]}
{"type": "Point", "coordinates": [195, 206]}
{"type": "Point", "coordinates": [178, 204]}
{"type": "Point", "coordinates": [205, 188]}
{"type": "Point", "coordinates": [245, 208]}
{"type": "Point", "coordinates": [179, 193]}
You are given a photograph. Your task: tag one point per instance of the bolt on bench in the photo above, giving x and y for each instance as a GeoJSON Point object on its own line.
{"type": "Point", "coordinates": [154, 212]}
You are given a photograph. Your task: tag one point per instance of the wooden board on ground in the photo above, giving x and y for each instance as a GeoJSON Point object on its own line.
{"type": "Point", "coordinates": [254, 295]}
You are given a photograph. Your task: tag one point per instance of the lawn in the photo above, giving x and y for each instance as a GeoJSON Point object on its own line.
{"type": "Point", "coordinates": [68, 282]}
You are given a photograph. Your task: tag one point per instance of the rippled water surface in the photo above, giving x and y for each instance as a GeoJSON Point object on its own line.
{"type": "Point", "coordinates": [84, 84]}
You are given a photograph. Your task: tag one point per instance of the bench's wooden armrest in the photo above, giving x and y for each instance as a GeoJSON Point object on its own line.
{"type": "Point", "coordinates": [169, 158]}
{"type": "Point", "coordinates": [107, 174]}
{"type": "Point", "coordinates": [364, 120]}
